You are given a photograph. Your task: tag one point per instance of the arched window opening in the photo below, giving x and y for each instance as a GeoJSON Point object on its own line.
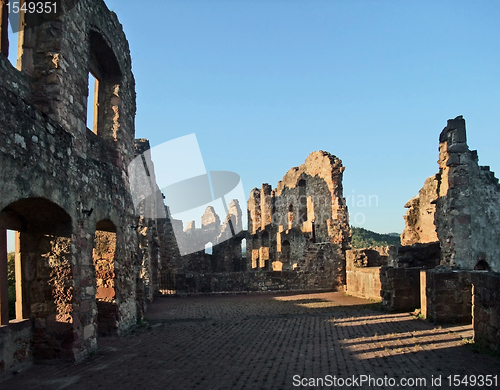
{"type": "Point", "coordinates": [482, 265]}
{"type": "Point", "coordinates": [291, 216]}
{"type": "Point", "coordinates": [244, 248]}
{"type": "Point", "coordinates": [208, 248]}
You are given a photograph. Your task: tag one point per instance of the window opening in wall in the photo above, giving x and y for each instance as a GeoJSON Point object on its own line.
{"type": "Point", "coordinates": [244, 248]}
{"type": "Point", "coordinates": [11, 282]}
{"type": "Point", "coordinates": [11, 276]}
{"type": "Point", "coordinates": [103, 103]}
{"type": "Point", "coordinates": [482, 265]}
{"type": "Point", "coordinates": [4, 289]}
{"type": "Point", "coordinates": [302, 201]}
{"type": "Point", "coordinates": [208, 248]}
{"type": "Point", "coordinates": [13, 39]}
{"type": "Point", "coordinates": [285, 252]}
{"type": "Point", "coordinates": [16, 40]}
{"type": "Point", "coordinates": [290, 216]}
{"type": "Point", "coordinates": [93, 103]}
{"type": "Point", "coordinates": [10, 38]}
{"type": "Point", "coordinates": [36, 281]}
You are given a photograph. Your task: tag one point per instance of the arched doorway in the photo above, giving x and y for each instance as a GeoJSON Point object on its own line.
{"type": "Point", "coordinates": [44, 273]}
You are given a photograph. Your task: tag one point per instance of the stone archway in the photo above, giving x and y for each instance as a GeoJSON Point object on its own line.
{"type": "Point", "coordinates": [44, 274]}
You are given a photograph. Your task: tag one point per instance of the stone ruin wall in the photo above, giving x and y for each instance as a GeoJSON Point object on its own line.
{"type": "Point", "coordinates": [223, 237]}
{"type": "Point", "coordinates": [306, 208]}
{"type": "Point", "coordinates": [459, 206]}
{"type": "Point", "coordinates": [419, 219]}
{"type": "Point", "coordinates": [65, 188]}
{"type": "Point", "coordinates": [296, 238]}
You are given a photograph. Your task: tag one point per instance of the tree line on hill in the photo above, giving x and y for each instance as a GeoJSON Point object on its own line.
{"type": "Point", "coordinates": [363, 238]}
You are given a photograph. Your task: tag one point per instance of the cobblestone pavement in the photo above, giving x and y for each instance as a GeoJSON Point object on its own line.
{"type": "Point", "coordinates": [269, 342]}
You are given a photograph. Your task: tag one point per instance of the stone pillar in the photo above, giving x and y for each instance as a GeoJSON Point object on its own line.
{"type": "Point", "coordinates": [423, 293]}
{"type": "Point", "coordinates": [266, 205]}
{"type": "Point", "coordinates": [22, 311]}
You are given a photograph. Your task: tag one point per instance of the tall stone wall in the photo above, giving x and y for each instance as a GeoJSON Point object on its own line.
{"type": "Point", "coordinates": [63, 182]}
{"type": "Point", "coordinates": [460, 206]}
{"type": "Point", "coordinates": [468, 217]}
{"type": "Point", "coordinates": [300, 228]}
{"type": "Point", "coordinates": [306, 207]}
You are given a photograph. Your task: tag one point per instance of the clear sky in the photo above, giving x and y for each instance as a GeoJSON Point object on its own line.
{"type": "Point", "coordinates": [263, 83]}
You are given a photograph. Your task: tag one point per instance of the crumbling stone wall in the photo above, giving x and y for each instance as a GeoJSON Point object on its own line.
{"type": "Point", "coordinates": [486, 309]}
{"type": "Point", "coordinates": [400, 278]}
{"type": "Point", "coordinates": [390, 273]}
{"type": "Point", "coordinates": [224, 239]}
{"type": "Point", "coordinates": [300, 229]}
{"type": "Point", "coordinates": [460, 206]}
{"type": "Point", "coordinates": [446, 295]}
{"type": "Point", "coordinates": [60, 179]}
{"type": "Point", "coordinates": [400, 288]}
{"type": "Point", "coordinates": [307, 207]}
{"type": "Point", "coordinates": [313, 273]}
{"type": "Point", "coordinates": [466, 218]}
{"type": "Point", "coordinates": [419, 219]}
{"type": "Point", "coordinates": [363, 269]}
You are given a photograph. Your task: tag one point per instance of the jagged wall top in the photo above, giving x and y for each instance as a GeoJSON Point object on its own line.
{"type": "Point", "coordinates": [319, 163]}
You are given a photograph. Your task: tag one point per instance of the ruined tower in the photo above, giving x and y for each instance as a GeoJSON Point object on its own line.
{"type": "Point", "coordinates": [64, 183]}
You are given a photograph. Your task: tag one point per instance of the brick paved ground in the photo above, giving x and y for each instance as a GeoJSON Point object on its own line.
{"type": "Point", "coordinates": [261, 342]}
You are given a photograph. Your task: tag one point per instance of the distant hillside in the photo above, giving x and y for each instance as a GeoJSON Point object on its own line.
{"type": "Point", "coordinates": [362, 238]}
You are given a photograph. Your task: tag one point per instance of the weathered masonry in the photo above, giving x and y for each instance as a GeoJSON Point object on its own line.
{"type": "Point", "coordinates": [64, 185]}
{"type": "Point", "coordinates": [450, 263]}
{"type": "Point", "coordinates": [296, 239]}
{"type": "Point", "coordinates": [304, 215]}
{"type": "Point", "coordinates": [459, 206]}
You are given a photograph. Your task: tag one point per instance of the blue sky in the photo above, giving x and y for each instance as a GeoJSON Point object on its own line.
{"type": "Point", "coordinates": [265, 83]}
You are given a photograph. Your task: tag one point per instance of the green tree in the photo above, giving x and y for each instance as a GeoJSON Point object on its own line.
{"type": "Point", "coordinates": [11, 268]}
{"type": "Point", "coordinates": [11, 275]}
{"type": "Point", "coordinates": [363, 238]}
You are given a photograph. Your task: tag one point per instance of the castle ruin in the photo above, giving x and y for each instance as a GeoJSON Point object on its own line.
{"type": "Point", "coordinates": [88, 259]}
